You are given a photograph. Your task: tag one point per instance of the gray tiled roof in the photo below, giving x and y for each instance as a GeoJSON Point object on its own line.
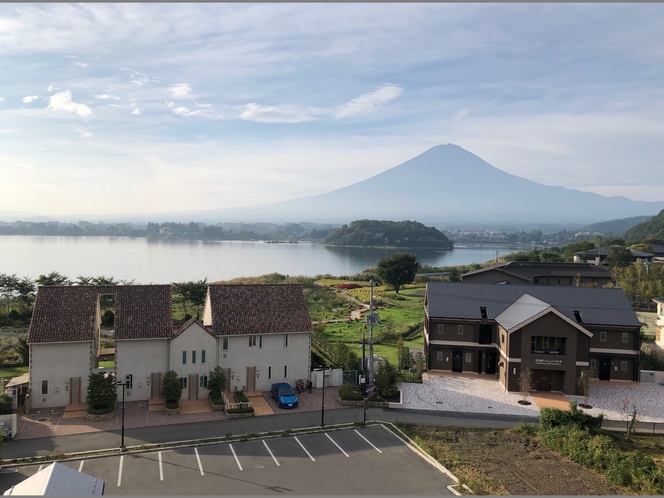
{"type": "Point", "coordinates": [528, 270]}
{"type": "Point", "coordinates": [604, 251]}
{"type": "Point", "coordinates": [258, 309]}
{"type": "Point", "coordinates": [463, 300]}
{"type": "Point", "coordinates": [68, 313]}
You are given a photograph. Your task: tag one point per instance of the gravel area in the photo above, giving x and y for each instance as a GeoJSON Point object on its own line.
{"type": "Point", "coordinates": [648, 398]}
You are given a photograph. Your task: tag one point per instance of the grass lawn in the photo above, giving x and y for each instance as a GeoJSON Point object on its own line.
{"type": "Point", "coordinates": [12, 371]}
{"type": "Point", "coordinates": [106, 364]}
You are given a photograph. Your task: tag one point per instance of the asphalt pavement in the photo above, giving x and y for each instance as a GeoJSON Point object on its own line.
{"type": "Point", "coordinates": [201, 430]}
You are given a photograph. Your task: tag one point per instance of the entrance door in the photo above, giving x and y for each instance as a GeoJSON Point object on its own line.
{"type": "Point", "coordinates": [479, 362]}
{"type": "Point", "coordinates": [457, 361]}
{"type": "Point", "coordinates": [193, 387]}
{"type": "Point", "coordinates": [490, 366]}
{"type": "Point", "coordinates": [251, 379]}
{"type": "Point", "coordinates": [542, 380]}
{"type": "Point", "coordinates": [74, 390]}
{"type": "Point", "coordinates": [155, 385]}
{"type": "Point", "coordinates": [605, 369]}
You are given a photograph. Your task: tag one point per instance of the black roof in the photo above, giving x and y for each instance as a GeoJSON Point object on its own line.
{"type": "Point", "coordinates": [597, 306]}
{"type": "Point", "coordinates": [528, 270]}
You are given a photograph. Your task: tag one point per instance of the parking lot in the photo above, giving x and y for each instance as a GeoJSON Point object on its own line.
{"type": "Point", "coordinates": [368, 461]}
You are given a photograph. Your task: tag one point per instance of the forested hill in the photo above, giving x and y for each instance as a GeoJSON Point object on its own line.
{"type": "Point", "coordinates": [651, 229]}
{"type": "Point", "coordinates": [377, 233]}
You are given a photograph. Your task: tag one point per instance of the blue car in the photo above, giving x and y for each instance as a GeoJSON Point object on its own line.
{"type": "Point", "coordinates": [284, 395]}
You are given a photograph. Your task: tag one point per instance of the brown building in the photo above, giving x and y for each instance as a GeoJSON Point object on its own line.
{"type": "Point", "coordinates": [554, 331]}
{"type": "Point", "coordinates": [527, 272]}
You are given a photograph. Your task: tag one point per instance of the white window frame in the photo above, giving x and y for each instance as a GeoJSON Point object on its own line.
{"type": "Point", "coordinates": [193, 356]}
{"type": "Point", "coordinates": [42, 387]}
{"type": "Point", "coordinates": [269, 372]}
{"type": "Point", "coordinates": [184, 383]}
{"type": "Point", "coordinates": [440, 328]}
{"type": "Point", "coordinates": [469, 357]}
{"type": "Point", "coordinates": [285, 340]}
{"type": "Point", "coordinates": [203, 356]}
{"type": "Point", "coordinates": [184, 357]}
{"type": "Point", "coordinates": [623, 365]}
{"type": "Point", "coordinates": [225, 343]}
{"type": "Point", "coordinates": [593, 364]}
{"type": "Point", "coordinates": [285, 371]}
{"type": "Point", "coordinates": [602, 336]}
{"type": "Point", "coordinates": [625, 337]}
{"type": "Point", "coordinates": [460, 329]}
{"type": "Point", "coordinates": [439, 356]}
{"type": "Point", "coordinates": [202, 382]}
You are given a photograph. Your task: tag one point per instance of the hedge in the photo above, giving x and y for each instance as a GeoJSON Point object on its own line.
{"type": "Point", "coordinates": [351, 392]}
{"type": "Point", "coordinates": [240, 397]}
{"type": "Point", "coordinates": [100, 411]}
{"type": "Point", "coordinates": [246, 409]}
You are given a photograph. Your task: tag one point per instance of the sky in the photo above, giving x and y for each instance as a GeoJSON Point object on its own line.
{"type": "Point", "coordinates": [139, 108]}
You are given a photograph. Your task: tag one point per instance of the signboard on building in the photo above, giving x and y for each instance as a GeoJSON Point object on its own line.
{"type": "Point", "coordinates": [370, 390]}
{"type": "Point", "coordinates": [548, 361]}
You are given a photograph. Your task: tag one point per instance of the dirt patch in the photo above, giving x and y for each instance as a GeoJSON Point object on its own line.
{"type": "Point", "coordinates": [509, 462]}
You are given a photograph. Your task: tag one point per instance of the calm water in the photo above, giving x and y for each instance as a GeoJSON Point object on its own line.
{"type": "Point", "coordinates": [165, 261]}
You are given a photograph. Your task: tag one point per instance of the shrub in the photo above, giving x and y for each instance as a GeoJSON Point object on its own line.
{"type": "Point", "coordinates": [216, 400]}
{"type": "Point", "coordinates": [386, 380]}
{"type": "Point", "coordinates": [553, 417]}
{"type": "Point", "coordinates": [172, 405]}
{"type": "Point", "coordinates": [102, 392]}
{"type": "Point", "coordinates": [244, 409]}
{"type": "Point", "coordinates": [217, 381]}
{"type": "Point", "coordinates": [170, 388]}
{"type": "Point", "coordinates": [5, 404]}
{"type": "Point", "coordinates": [351, 392]}
{"type": "Point", "coordinates": [100, 411]}
{"type": "Point", "coordinates": [240, 397]}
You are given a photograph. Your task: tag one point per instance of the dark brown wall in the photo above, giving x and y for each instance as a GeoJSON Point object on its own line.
{"type": "Point", "coordinates": [614, 338]}
{"type": "Point", "coordinates": [493, 276]}
{"type": "Point", "coordinates": [451, 333]}
{"type": "Point", "coordinates": [515, 344]}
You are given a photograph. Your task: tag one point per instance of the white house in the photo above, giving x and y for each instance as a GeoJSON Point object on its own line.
{"type": "Point", "coordinates": [259, 334]}
{"type": "Point", "coordinates": [659, 323]}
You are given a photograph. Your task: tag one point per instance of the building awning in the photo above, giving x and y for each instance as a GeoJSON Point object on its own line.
{"type": "Point", "coordinates": [19, 381]}
{"type": "Point", "coordinates": [58, 480]}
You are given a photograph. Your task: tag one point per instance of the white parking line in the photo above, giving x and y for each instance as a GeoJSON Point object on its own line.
{"type": "Point", "coordinates": [305, 450]}
{"type": "Point", "coordinates": [335, 444]}
{"type": "Point", "coordinates": [161, 468]}
{"type": "Point", "coordinates": [80, 467]}
{"type": "Point", "coordinates": [236, 459]}
{"type": "Point", "coordinates": [271, 454]}
{"type": "Point", "coordinates": [120, 470]}
{"type": "Point", "coordinates": [367, 441]}
{"type": "Point", "coordinates": [40, 468]}
{"type": "Point", "coordinates": [200, 467]}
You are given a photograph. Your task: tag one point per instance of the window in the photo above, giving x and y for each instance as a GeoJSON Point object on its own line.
{"type": "Point", "coordinates": [184, 357]}
{"type": "Point", "coordinates": [260, 341]}
{"type": "Point", "coordinates": [252, 341]}
{"type": "Point", "coordinates": [625, 336]}
{"type": "Point", "coordinates": [285, 371]}
{"type": "Point", "coordinates": [203, 356]}
{"type": "Point", "coordinates": [502, 338]}
{"type": "Point", "coordinates": [202, 382]}
{"type": "Point", "coordinates": [224, 343]}
{"type": "Point", "coordinates": [183, 382]}
{"type": "Point", "coordinates": [460, 329]}
{"type": "Point", "coordinates": [440, 328]}
{"type": "Point", "coordinates": [483, 312]}
{"type": "Point", "coordinates": [593, 364]}
{"type": "Point", "coordinates": [285, 340]}
{"type": "Point", "coordinates": [440, 356]}
{"type": "Point", "coordinates": [269, 373]}
{"type": "Point", "coordinates": [602, 336]}
{"type": "Point", "coordinates": [44, 387]}
{"type": "Point", "coordinates": [469, 357]}
{"type": "Point", "coordinates": [623, 366]}
{"type": "Point", "coordinates": [193, 356]}
{"type": "Point", "coordinates": [547, 345]}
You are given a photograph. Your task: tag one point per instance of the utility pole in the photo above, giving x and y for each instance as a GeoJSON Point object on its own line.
{"type": "Point", "coordinates": [363, 358]}
{"type": "Point", "coordinates": [372, 320]}
{"type": "Point", "coordinates": [124, 385]}
{"type": "Point", "coordinates": [322, 412]}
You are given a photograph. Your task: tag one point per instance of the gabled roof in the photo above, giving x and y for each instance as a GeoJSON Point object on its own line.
{"type": "Point", "coordinates": [604, 251]}
{"type": "Point", "coordinates": [597, 306]}
{"type": "Point", "coordinates": [179, 330]}
{"type": "Point", "coordinates": [69, 313]}
{"type": "Point", "coordinates": [659, 300]}
{"type": "Point", "coordinates": [528, 270]}
{"type": "Point", "coordinates": [258, 309]}
{"type": "Point", "coordinates": [58, 480]}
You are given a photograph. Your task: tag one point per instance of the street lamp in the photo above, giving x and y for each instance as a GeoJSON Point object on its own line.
{"type": "Point", "coordinates": [322, 412]}
{"type": "Point", "coordinates": [124, 385]}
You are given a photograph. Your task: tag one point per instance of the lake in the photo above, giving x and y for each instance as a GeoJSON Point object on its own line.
{"type": "Point", "coordinates": [174, 260]}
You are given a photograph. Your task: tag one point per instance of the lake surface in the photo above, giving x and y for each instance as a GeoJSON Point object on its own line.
{"type": "Point", "coordinates": [173, 260]}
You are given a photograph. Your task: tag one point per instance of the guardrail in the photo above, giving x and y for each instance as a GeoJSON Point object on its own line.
{"type": "Point", "coordinates": [229, 405]}
{"type": "Point", "coordinates": [639, 427]}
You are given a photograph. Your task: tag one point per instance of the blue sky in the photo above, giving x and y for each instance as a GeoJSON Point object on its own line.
{"type": "Point", "coordinates": [126, 108]}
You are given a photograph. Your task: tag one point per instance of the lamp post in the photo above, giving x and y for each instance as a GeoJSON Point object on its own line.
{"type": "Point", "coordinates": [372, 319]}
{"type": "Point", "coordinates": [124, 386]}
{"type": "Point", "coordinates": [322, 412]}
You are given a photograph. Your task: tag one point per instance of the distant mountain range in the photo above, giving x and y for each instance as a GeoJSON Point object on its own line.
{"type": "Point", "coordinates": [444, 186]}
{"type": "Point", "coordinates": [614, 227]}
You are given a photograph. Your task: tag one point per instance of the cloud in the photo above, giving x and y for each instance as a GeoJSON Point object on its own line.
{"type": "Point", "coordinates": [30, 98]}
{"type": "Point", "coordinates": [50, 88]}
{"type": "Point", "coordinates": [368, 102]}
{"type": "Point", "coordinates": [80, 64]}
{"type": "Point", "coordinates": [61, 101]}
{"type": "Point", "coordinates": [139, 78]}
{"type": "Point", "coordinates": [460, 115]}
{"type": "Point", "coordinates": [86, 134]}
{"type": "Point", "coordinates": [201, 113]}
{"type": "Point", "coordinates": [181, 111]}
{"type": "Point", "coordinates": [106, 96]}
{"type": "Point", "coordinates": [2, 99]}
{"type": "Point", "coordinates": [270, 114]}
{"type": "Point", "coordinates": [136, 112]}
{"type": "Point", "coordinates": [180, 90]}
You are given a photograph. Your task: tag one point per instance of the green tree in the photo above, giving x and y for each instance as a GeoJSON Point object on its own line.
{"type": "Point", "coordinates": [386, 380]}
{"type": "Point", "coordinates": [574, 247]}
{"type": "Point", "coordinates": [53, 278]}
{"type": "Point", "coordinates": [217, 382]}
{"type": "Point", "coordinates": [23, 350]}
{"type": "Point", "coordinates": [398, 269]}
{"type": "Point", "coordinates": [102, 391]}
{"type": "Point", "coordinates": [619, 257]}
{"type": "Point", "coordinates": [25, 288]}
{"type": "Point", "coordinates": [171, 389]}
{"type": "Point", "coordinates": [5, 404]}
{"type": "Point", "coordinates": [419, 364]}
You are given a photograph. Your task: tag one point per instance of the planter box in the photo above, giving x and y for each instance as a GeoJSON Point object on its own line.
{"type": "Point", "coordinates": [216, 408]}
{"type": "Point", "coordinates": [240, 415]}
{"type": "Point", "coordinates": [370, 404]}
{"type": "Point", "coordinates": [97, 418]}
{"type": "Point", "coordinates": [173, 411]}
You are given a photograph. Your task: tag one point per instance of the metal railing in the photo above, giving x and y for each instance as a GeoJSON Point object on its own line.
{"type": "Point", "coordinates": [639, 427]}
{"type": "Point", "coordinates": [230, 406]}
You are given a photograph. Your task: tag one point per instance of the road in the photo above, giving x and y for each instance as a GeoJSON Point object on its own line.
{"type": "Point", "coordinates": [201, 430]}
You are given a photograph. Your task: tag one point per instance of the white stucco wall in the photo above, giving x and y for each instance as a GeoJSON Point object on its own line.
{"type": "Point", "coordinates": [273, 353]}
{"type": "Point", "coordinates": [140, 357]}
{"type": "Point", "coordinates": [57, 362]}
{"type": "Point", "coordinates": [193, 339]}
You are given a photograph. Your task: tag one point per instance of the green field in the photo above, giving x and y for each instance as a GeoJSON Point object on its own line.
{"type": "Point", "coordinates": [12, 371]}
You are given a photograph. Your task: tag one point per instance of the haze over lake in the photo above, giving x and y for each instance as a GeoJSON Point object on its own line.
{"type": "Point", "coordinates": [174, 260]}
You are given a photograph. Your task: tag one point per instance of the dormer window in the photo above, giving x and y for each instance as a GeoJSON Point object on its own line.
{"type": "Point", "coordinates": [577, 315]}
{"type": "Point", "coordinates": [483, 312]}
